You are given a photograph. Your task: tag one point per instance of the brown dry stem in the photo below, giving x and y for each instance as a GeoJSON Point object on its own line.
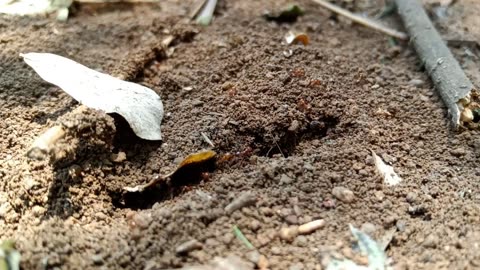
{"type": "Point", "coordinates": [361, 20]}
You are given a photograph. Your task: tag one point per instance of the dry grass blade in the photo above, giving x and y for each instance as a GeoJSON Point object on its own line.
{"type": "Point", "coordinates": [361, 20]}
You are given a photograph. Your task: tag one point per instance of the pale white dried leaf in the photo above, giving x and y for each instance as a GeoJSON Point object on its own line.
{"type": "Point", "coordinates": [140, 106]}
{"type": "Point", "coordinates": [377, 259]}
{"type": "Point", "coordinates": [32, 7]}
{"type": "Point", "coordinates": [390, 177]}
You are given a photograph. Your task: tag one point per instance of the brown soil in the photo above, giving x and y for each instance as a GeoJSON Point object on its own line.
{"type": "Point", "coordinates": [296, 127]}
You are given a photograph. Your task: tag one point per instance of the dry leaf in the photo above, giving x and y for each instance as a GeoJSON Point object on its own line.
{"type": "Point", "coordinates": [9, 256]}
{"type": "Point", "coordinates": [192, 159]}
{"type": "Point", "coordinates": [293, 38]}
{"type": "Point", "coordinates": [205, 15]}
{"type": "Point", "coordinates": [196, 158]}
{"type": "Point", "coordinates": [139, 105]}
{"type": "Point", "coordinates": [389, 176]}
{"type": "Point", "coordinates": [377, 259]}
{"type": "Point", "coordinates": [33, 7]}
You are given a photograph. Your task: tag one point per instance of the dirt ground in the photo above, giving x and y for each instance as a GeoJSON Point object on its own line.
{"type": "Point", "coordinates": [297, 126]}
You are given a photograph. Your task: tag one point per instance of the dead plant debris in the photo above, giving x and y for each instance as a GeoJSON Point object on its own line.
{"type": "Point", "coordinates": [194, 159]}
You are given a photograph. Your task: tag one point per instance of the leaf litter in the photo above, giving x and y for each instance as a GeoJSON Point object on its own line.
{"type": "Point", "coordinates": [196, 159]}
{"type": "Point", "coordinates": [9, 256]}
{"type": "Point", "coordinates": [390, 177]}
{"type": "Point", "coordinates": [36, 7]}
{"type": "Point", "coordinates": [294, 38]}
{"type": "Point", "coordinates": [377, 259]}
{"type": "Point", "coordinates": [205, 15]}
{"type": "Point", "coordinates": [141, 107]}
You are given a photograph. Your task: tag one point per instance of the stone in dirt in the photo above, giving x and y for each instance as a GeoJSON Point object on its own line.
{"type": "Point", "coordinates": [343, 194]}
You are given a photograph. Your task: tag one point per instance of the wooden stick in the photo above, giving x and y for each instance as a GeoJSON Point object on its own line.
{"type": "Point", "coordinates": [448, 77]}
{"type": "Point", "coordinates": [361, 20]}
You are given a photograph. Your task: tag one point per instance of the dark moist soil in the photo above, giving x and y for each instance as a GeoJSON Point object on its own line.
{"type": "Point", "coordinates": [288, 130]}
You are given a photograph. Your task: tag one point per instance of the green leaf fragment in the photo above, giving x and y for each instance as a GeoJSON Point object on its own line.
{"type": "Point", "coordinates": [9, 257]}
{"type": "Point", "coordinates": [242, 237]}
{"type": "Point", "coordinates": [374, 252]}
{"type": "Point", "coordinates": [376, 256]}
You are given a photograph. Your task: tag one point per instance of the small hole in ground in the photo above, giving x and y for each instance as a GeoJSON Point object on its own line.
{"type": "Point", "coordinates": [317, 128]}
{"type": "Point", "coordinates": [182, 181]}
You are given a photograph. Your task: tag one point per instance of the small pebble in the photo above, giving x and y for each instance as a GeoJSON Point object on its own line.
{"type": "Point", "coordinates": [285, 179]}
{"type": "Point", "coordinates": [411, 197]}
{"type": "Point", "coordinates": [431, 241]}
{"type": "Point", "coordinates": [294, 126]}
{"type": "Point", "coordinates": [30, 184]}
{"type": "Point", "coordinates": [188, 246]}
{"type": "Point", "coordinates": [119, 157]}
{"type": "Point", "coordinates": [301, 241]}
{"type": "Point", "coordinates": [297, 266]}
{"type": "Point", "coordinates": [329, 204]}
{"type": "Point", "coordinates": [368, 228]}
{"type": "Point", "coordinates": [254, 225]}
{"type": "Point", "coordinates": [100, 216]}
{"type": "Point", "coordinates": [97, 259]}
{"type": "Point", "coordinates": [4, 208]}
{"type": "Point", "coordinates": [253, 256]}
{"type": "Point", "coordinates": [416, 82]}
{"type": "Point", "coordinates": [458, 152]}
{"type": "Point", "coordinates": [197, 102]}
{"type": "Point", "coordinates": [37, 210]}
{"type": "Point", "coordinates": [142, 220]}
{"type": "Point", "coordinates": [289, 233]}
{"type": "Point", "coordinates": [276, 251]}
{"type": "Point", "coordinates": [262, 263]}
{"type": "Point", "coordinates": [291, 220]}
{"type": "Point", "coordinates": [343, 194]}
{"type": "Point", "coordinates": [401, 225]}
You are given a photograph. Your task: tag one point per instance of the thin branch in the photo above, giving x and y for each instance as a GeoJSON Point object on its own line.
{"type": "Point", "coordinates": [361, 20]}
{"type": "Point", "coordinates": [448, 77]}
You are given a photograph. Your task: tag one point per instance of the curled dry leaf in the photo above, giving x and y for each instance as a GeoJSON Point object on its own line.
{"type": "Point", "coordinates": [199, 158]}
{"type": "Point", "coordinates": [389, 176]}
{"type": "Point", "coordinates": [294, 38]}
{"type": "Point", "coordinates": [139, 105]}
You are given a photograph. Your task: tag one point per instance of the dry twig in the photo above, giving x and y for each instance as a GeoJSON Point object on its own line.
{"type": "Point", "coordinates": [361, 20]}
{"type": "Point", "coordinates": [456, 90]}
